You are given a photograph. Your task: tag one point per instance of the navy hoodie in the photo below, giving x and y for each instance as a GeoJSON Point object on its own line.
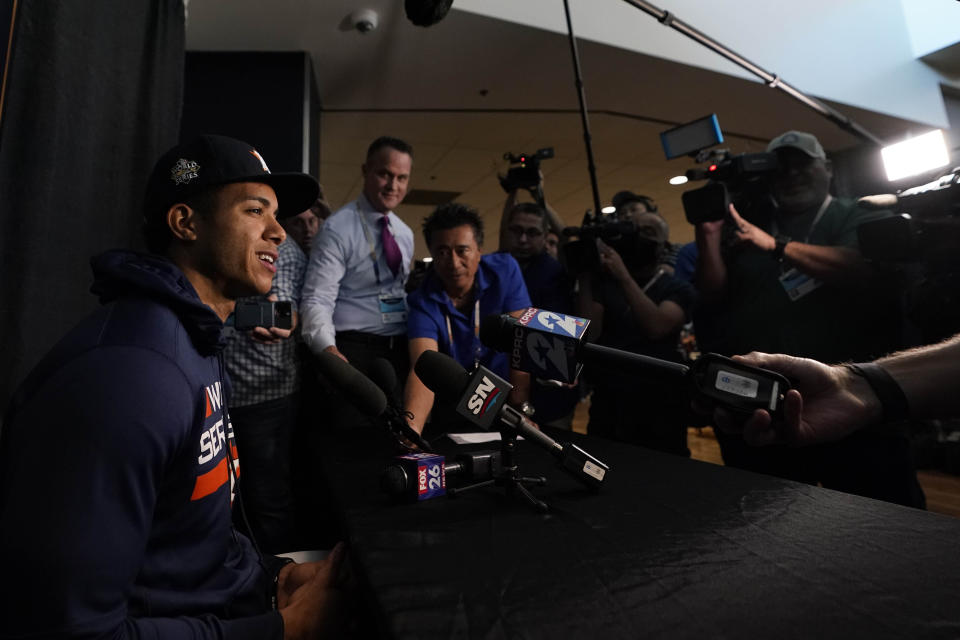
{"type": "Point", "coordinates": [116, 476]}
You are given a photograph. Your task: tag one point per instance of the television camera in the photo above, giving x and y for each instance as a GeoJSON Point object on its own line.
{"type": "Point", "coordinates": [524, 172]}
{"type": "Point", "coordinates": [921, 244]}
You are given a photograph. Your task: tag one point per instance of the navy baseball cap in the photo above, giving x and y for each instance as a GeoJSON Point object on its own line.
{"type": "Point", "coordinates": [211, 160]}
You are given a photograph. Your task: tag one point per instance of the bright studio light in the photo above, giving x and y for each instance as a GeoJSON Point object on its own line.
{"type": "Point", "coordinates": [916, 155]}
{"type": "Point", "coordinates": [678, 180]}
{"type": "Point", "coordinates": [608, 210]}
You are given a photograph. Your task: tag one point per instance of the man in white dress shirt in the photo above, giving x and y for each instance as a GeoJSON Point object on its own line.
{"type": "Point", "coordinates": [353, 302]}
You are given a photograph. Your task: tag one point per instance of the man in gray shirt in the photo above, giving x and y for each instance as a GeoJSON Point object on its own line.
{"type": "Point", "coordinates": [353, 301]}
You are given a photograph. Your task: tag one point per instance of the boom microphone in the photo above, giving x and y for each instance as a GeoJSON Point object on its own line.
{"type": "Point", "coordinates": [483, 402]}
{"type": "Point", "coordinates": [426, 13]}
{"type": "Point", "coordinates": [366, 396]}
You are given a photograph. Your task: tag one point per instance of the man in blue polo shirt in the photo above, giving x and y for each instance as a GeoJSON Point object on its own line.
{"type": "Point", "coordinates": [462, 288]}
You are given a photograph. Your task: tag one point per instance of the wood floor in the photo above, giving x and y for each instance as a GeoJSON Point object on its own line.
{"type": "Point", "coordinates": [942, 489]}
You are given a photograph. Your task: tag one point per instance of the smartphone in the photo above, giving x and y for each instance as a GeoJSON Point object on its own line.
{"type": "Point", "coordinates": [249, 314]}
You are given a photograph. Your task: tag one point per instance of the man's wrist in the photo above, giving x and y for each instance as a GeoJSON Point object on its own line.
{"type": "Point", "coordinates": [883, 398]}
{"type": "Point", "coordinates": [278, 582]}
{"type": "Point", "coordinates": [779, 246]}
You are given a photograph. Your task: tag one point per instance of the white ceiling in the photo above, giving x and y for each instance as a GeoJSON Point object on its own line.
{"type": "Point", "coordinates": [470, 88]}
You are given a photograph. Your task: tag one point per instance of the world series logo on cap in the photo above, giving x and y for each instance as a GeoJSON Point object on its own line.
{"type": "Point", "coordinates": [184, 171]}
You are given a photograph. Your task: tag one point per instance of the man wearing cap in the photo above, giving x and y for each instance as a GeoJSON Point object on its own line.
{"type": "Point", "coordinates": [353, 302]}
{"type": "Point", "coordinates": [117, 459]}
{"type": "Point", "coordinates": [632, 206]}
{"type": "Point", "coordinates": [792, 280]}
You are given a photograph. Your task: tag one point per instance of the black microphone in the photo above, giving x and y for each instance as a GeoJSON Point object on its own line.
{"type": "Point", "coordinates": [362, 393]}
{"type": "Point", "coordinates": [483, 402]}
{"type": "Point", "coordinates": [551, 345]}
{"type": "Point", "coordinates": [426, 13]}
{"type": "Point", "coordinates": [398, 481]}
{"type": "Point", "coordinates": [382, 373]}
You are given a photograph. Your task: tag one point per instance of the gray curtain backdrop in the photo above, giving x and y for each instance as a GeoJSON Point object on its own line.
{"type": "Point", "coordinates": [93, 97]}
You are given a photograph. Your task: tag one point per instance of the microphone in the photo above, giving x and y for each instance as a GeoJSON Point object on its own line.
{"type": "Point", "coordinates": [382, 373]}
{"type": "Point", "coordinates": [366, 396]}
{"type": "Point", "coordinates": [936, 198]}
{"type": "Point", "coordinates": [552, 346]}
{"type": "Point", "coordinates": [483, 401]}
{"type": "Point", "coordinates": [401, 481]}
{"type": "Point", "coordinates": [415, 476]}
{"type": "Point", "coordinates": [426, 13]}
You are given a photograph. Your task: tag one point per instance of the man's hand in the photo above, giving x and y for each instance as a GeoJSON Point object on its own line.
{"type": "Point", "coordinates": [308, 599]}
{"type": "Point", "coordinates": [273, 335]}
{"type": "Point", "coordinates": [611, 262]}
{"type": "Point", "coordinates": [747, 232]}
{"type": "Point", "coordinates": [826, 404]}
{"type": "Point", "coordinates": [332, 349]}
{"type": "Point", "coordinates": [711, 229]}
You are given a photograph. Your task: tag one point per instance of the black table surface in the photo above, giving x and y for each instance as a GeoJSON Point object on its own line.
{"type": "Point", "coordinates": [669, 548]}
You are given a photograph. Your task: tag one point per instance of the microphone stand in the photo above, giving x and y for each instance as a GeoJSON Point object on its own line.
{"type": "Point", "coordinates": [510, 477]}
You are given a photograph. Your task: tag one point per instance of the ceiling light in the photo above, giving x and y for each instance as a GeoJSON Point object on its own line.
{"type": "Point", "coordinates": [915, 156]}
{"type": "Point", "coordinates": [428, 259]}
{"type": "Point", "coordinates": [678, 180]}
{"type": "Point", "coordinates": [608, 210]}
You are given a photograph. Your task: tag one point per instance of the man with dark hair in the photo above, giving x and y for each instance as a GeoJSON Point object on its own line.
{"type": "Point", "coordinates": [549, 287]}
{"type": "Point", "coordinates": [791, 279]}
{"type": "Point", "coordinates": [302, 227]}
{"type": "Point", "coordinates": [353, 302]}
{"type": "Point", "coordinates": [546, 281]}
{"type": "Point", "coordinates": [632, 206]}
{"type": "Point", "coordinates": [126, 530]}
{"type": "Point", "coordinates": [462, 288]}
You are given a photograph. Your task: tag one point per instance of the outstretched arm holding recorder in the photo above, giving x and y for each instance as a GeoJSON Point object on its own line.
{"type": "Point", "coordinates": [830, 402]}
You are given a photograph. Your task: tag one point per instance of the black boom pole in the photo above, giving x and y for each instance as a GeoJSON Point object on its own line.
{"type": "Point", "coordinates": [772, 80]}
{"type": "Point", "coordinates": [591, 167]}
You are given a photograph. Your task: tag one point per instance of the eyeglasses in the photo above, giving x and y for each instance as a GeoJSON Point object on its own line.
{"type": "Point", "coordinates": [530, 232]}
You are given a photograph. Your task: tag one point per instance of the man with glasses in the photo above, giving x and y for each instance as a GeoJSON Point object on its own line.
{"type": "Point", "coordinates": [525, 238]}
{"type": "Point", "coordinates": [526, 241]}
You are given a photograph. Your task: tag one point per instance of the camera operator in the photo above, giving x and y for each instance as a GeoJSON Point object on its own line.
{"type": "Point", "coordinates": [635, 305]}
{"type": "Point", "coordinates": [792, 280]}
{"type": "Point", "coordinates": [552, 219]}
{"type": "Point", "coordinates": [629, 205]}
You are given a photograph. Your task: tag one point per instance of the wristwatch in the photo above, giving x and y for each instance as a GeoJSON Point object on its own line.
{"type": "Point", "coordinates": [781, 244]}
{"type": "Point", "coordinates": [526, 408]}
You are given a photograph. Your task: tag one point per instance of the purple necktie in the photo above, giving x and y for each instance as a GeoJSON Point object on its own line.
{"type": "Point", "coordinates": [391, 251]}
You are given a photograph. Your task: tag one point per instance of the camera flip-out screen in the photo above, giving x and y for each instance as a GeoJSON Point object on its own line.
{"type": "Point", "coordinates": [691, 137]}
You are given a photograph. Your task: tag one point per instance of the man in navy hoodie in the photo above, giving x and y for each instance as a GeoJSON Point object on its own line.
{"type": "Point", "coordinates": [117, 460]}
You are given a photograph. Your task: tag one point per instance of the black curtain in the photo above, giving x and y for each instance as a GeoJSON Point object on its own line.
{"type": "Point", "coordinates": [93, 97]}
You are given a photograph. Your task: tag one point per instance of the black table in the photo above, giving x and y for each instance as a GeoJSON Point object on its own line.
{"type": "Point", "coordinates": [670, 548]}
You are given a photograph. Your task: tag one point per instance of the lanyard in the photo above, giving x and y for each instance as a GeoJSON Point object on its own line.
{"type": "Point", "coordinates": [816, 219]}
{"type": "Point", "coordinates": [476, 331]}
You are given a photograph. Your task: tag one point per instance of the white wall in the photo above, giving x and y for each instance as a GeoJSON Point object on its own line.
{"type": "Point", "coordinates": [857, 52]}
{"type": "Point", "coordinates": [932, 24]}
